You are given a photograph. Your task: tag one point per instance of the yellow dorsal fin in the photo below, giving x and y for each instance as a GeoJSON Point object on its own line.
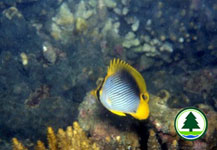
{"type": "Point", "coordinates": [117, 65]}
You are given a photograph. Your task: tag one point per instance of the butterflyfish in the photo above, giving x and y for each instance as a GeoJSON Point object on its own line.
{"type": "Point", "coordinates": [123, 91]}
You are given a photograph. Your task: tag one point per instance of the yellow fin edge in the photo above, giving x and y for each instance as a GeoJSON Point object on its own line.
{"type": "Point", "coordinates": [118, 113]}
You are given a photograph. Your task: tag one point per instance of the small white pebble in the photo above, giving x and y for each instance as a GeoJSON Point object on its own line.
{"type": "Point", "coordinates": [181, 39]}
{"type": "Point", "coordinates": [148, 23]}
{"type": "Point", "coordinates": [44, 48]}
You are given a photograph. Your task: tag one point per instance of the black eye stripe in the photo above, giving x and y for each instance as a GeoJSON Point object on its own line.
{"type": "Point", "coordinates": [100, 87]}
{"type": "Point", "coordinates": [97, 94]}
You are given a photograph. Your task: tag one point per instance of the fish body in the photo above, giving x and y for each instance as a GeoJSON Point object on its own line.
{"type": "Point", "coordinates": [123, 91]}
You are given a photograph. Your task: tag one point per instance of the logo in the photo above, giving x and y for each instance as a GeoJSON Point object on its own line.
{"type": "Point", "coordinates": [191, 123]}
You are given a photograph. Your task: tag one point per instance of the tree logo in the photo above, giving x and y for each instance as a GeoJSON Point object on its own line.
{"type": "Point", "coordinates": [191, 123]}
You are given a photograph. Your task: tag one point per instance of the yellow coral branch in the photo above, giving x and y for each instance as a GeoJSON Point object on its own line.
{"type": "Point", "coordinates": [71, 139]}
{"type": "Point", "coordinates": [51, 137]}
{"type": "Point", "coordinates": [40, 145]}
{"type": "Point", "coordinates": [17, 145]}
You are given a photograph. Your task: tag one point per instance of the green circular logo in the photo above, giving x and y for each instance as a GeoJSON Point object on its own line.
{"type": "Point", "coordinates": [191, 123]}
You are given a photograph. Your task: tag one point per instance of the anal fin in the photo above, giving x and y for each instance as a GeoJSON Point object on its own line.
{"type": "Point", "coordinates": [118, 113]}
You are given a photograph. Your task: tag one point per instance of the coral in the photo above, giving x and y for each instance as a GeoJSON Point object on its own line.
{"type": "Point", "coordinates": [153, 143]}
{"type": "Point", "coordinates": [51, 137]}
{"type": "Point", "coordinates": [74, 138]}
{"type": "Point", "coordinates": [83, 10]}
{"type": "Point", "coordinates": [111, 27]}
{"type": "Point", "coordinates": [62, 24]}
{"type": "Point", "coordinates": [12, 12]}
{"type": "Point", "coordinates": [81, 25]}
{"type": "Point", "coordinates": [40, 145]}
{"type": "Point", "coordinates": [153, 47]}
{"type": "Point", "coordinates": [130, 40]}
{"type": "Point", "coordinates": [110, 3]}
{"type": "Point", "coordinates": [17, 145]}
{"type": "Point", "coordinates": [64, 17]}
{"type": "Point", "coordinates": [135, 25]}
{"type": "Point", "coordinates": [68, 22]}
{"type": "Point", "coordinates": [56, 32]}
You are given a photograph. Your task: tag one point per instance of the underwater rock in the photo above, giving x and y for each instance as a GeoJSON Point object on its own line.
{"type": "Point", "coordinates": [17, 35]}
{"type": "Point", "coordinates": [21, 90]}
{"type": "Point", "coordinates": [26, 1]}
{"type": "Point", "coordinates": [210, 137]}
{"type": "Point", "coordinates": [94, 119]}
{"type": "Point", "coordinates": [105, 132]}
{"type": "Point", "coordinates": [35, 97]}
{"type": "Point", "coordinates": [15, 2]}
{"type": "Point", "coordinates": [199, 81]}
{"type": "Point", "coordinates": [200, 85]}
{"type": "Point", "coordinates": [153, 143]}
{"type": "Point", "coordinates": [162, 117]}
{"type": "Point", "coordinates": [108, 131]}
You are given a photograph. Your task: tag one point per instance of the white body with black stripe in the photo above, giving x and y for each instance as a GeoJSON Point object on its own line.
{"type": "Point", "coordinates": [120, 93]}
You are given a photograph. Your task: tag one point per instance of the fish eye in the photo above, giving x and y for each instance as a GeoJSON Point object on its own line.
{"type": "Point", "coordinates": [144, 96]}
